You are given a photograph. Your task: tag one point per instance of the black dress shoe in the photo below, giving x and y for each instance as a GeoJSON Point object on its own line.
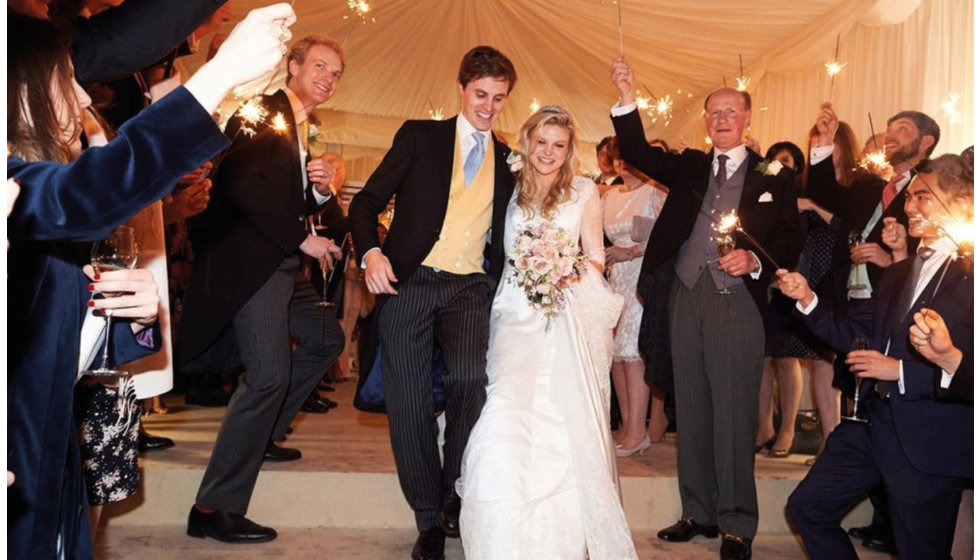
{"type": "Point", "coordinates": [880, 544]}
{"type": "Point", "coordinates": [330, 403]}
{"type": "Point", "coordinates": [735, 548]}
{"type": "Point", "coordinates": [146, 442]}
{"type": "Point", "coordinates": [227, 527]}
{"type": "Point", "coordinates": [431, 545]}
{"type": "Point", "coordinates": [449, 514]}
{"type": "Point", "coordinates": [315, 405]}
{"type": "Point", "coordinates": [326, 387]}
{"type": "Point", "coordinates": [862, 533]}
{"type": "Point", "coordinates": [276, 454]}
{"type": "Point", "coordinates": [686, 529]}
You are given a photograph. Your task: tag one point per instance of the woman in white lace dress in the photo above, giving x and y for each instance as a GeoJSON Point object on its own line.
{"type": "Point", "coordinates": [629, 212]}
{"type": "Point", "coordinates": [539, 474]}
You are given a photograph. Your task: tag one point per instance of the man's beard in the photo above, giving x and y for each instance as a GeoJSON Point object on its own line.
{"type": "Point", "coordinates": [905, 153]}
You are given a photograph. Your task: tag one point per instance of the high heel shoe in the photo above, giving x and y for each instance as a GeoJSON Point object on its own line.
{"type": "Point", "coordinates": [767, 445]}
{"type": "Point", "coordinates": [638, 448]}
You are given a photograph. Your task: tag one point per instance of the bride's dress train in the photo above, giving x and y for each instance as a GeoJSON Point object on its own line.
{"type": "Point", "coordinates": [539, 473]}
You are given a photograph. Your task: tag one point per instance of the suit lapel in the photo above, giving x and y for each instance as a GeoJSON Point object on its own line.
{"type": "Point", "coordinates": [444, 150]}
{"type": "Point", "coordinates": [279, 103]}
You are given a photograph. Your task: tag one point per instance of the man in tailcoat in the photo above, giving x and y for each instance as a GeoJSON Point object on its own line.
{"type": "Point", "coordinates": [452, 184]}
{"type": "Point", "coordinates": [247, 297]}
{"type": "Point", "coordinates": [716, 304]}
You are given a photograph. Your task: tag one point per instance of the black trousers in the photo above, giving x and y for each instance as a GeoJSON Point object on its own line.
{"type": "Point", "coordinates": [453, 311]}
{"type": "Point", "coordinates": [276, 381]}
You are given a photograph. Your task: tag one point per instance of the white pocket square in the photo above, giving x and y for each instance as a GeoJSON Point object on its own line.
{"type": "Point", "coordinates": [765, 197]}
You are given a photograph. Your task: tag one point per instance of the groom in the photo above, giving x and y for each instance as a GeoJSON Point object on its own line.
{"type": "Point", "coordinates": [453, 185]}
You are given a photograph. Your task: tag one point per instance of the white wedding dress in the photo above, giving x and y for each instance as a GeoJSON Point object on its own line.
{"type": "Point", "coordinates": [539, 474]}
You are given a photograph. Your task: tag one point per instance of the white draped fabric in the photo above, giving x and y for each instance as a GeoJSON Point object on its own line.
{"type": "Point", "coordinates": [901, 54]}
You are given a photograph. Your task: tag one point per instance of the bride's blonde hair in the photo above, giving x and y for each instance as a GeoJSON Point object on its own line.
{"type": "Point", "coordinates": [561, 190]}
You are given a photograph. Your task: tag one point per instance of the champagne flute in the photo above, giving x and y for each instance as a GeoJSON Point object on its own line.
{"type": "Point", "coordinates": [320, 230]}
{"type": "Point", "coordinates": [858, 343]}
{"type": "Point", "coordinates": [725, 244]}
{"type": "Point", "coordinates": [119, 251]}
{"type": "Point", "coordinates": [853, 240]}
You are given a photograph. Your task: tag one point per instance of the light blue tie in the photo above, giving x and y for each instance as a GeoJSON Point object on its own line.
{"type": "Point", "coordinates": [474, 159]}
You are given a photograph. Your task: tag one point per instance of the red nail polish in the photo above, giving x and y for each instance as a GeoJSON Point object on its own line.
{"type": "Point", "coordinates": [91, 287]}
{"type": "Point", "coordinates": [97, 276]}
{"type": "Point", "coordinates": [91, 303]}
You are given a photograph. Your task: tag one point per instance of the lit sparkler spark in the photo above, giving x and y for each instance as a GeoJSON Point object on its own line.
{"type": "Point", "coordinates": [359, 7]}
{"type": "Point", "coordinates": [875, 159]}
{"type": "Point", "coordinates": [728, 223]}
{"type": "Point", "coordinates": [252, 111]}
{"type": "Point", "coordinates": [642, 103]}
{"type": "Point", "coordinates": [950, 107]}
{"type": "Point", "coordinates": [534, 106]}
{"type": "Point", "coordinates": [436, 114]}
{"type": "Point", "coordinates": [279, 123]}
{"type": "Point", "coordinates": [742, 83]}
{"type": "Point", "coordinates": [834, 67]}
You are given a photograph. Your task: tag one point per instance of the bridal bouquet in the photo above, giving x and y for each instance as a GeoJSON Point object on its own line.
{"type": "Point", "coordinates": [546, 261]}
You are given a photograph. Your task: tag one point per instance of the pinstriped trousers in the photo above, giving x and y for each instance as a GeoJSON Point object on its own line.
{"type": "Point", "coordinates": [453, 311]}
{"type": "Point", "coordinates": [275, 383]}
{"type": "Point", "coordinates": [717, 344]}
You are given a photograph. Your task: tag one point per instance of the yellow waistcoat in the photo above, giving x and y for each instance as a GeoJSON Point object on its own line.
{"type": "Point", "coordinates": [464, 230]}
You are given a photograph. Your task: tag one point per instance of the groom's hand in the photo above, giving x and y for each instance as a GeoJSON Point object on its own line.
{"type": "Point", "coordinates": [378, 274]}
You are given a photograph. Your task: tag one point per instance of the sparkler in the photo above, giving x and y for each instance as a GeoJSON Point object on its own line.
{"type": "Point", "coordinates": [834, 67]}
{"type": "Point", "coordinates": [729, 222]}
{"type": "Point", "coordinates": [741, 81]}
{"type": "Point", "coordinates": [360, 10]}
{"type": "Point", "coordinates": [434, 114]}
{"type": "Point", "coordinates": [656, 107]}
{"type": "Point", "coordinates": [619, 11]}
{"type": "Point", "coordinates": [950, 107]}
{"type": "Point", "coordinates": [534, 105]}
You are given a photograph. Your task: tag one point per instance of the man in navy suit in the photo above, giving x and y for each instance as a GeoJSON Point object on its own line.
{"type": "Point", "coordinates": [716, 305]}
{"type": "Point", "coordinates": [453, 184]}
{"type": "Point", "coordinates": [921, 449]}
{"type": "Point", "coordinates": [865, 209]}
{"type": "Point", "coordinates": [247, 296]}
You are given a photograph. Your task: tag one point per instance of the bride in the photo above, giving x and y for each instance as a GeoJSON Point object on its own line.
{"type": "Point", "coordinates": [539, 474]}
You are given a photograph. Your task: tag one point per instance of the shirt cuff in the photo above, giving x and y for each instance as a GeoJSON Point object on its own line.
{"type": "Point", "coordinates": [320, 198]}
{"type": "Point", "coordinates": [809, 308]}
{"type": "Point", "coordinates": [946, 379]}
{"type": "Point", "coordinates": [758, 267]}
{"type": "Point", "coordinates": [364, 257]}
{"type": "Point", "coordinates": [901, 377]}
{"type": "Point", "coordinates": [620, 110]}
{"type": "Point", "coordinates": [820, 153]}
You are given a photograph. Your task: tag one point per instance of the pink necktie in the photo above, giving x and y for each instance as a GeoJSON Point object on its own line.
{"type": "Point", "coordinates": [890, 192]}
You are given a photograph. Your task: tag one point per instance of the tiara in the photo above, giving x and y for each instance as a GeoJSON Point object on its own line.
{"type": "Point", "coordinates": [552, 109]}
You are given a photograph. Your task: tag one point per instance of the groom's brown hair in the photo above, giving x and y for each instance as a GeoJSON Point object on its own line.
{"type": "Point", "coordinates": [484, 61]}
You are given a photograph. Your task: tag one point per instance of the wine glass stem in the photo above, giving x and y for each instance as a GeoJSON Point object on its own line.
{"type": "Point", "coordinates": [105, 346]}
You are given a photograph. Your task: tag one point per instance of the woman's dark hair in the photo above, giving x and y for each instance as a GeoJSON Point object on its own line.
{"type": "Point", "coordinates": [799, 160]}
{"type": "Point", "coordinates": [39, 80]}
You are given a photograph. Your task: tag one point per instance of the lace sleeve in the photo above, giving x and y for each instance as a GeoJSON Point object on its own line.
{"type": "Point", "coordinates": [591, 229]}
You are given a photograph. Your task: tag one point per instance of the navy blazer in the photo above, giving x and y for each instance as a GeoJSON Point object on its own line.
{"type": "Point", "coordinates": [773, 224]}
{"type": "Point", "coordinates": [256, 218]}
{"type": "Point", "coordinates": [47, 295]}
{"type": "Point", "coordinates": [418, 169]}
{"type": "Point", "coordinates": [936, 437]}
{"type": "Point", "coordinates": [134, 35]}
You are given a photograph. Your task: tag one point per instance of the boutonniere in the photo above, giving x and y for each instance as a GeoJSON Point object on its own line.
{"type": "Point", "coordinates": [515, 162]}
{"type": "Point", "coordinates": [767, 167]}
{"type": "Point", "coordinates": [314, 133]}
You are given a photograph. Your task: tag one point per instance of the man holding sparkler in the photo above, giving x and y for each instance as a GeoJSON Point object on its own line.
{"type": "Point", "coordinates": [903, 435]}
{"type": "Point", "coordinates": [247, 296]}
{"type": "Point", "coordinates": [717, 302]}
